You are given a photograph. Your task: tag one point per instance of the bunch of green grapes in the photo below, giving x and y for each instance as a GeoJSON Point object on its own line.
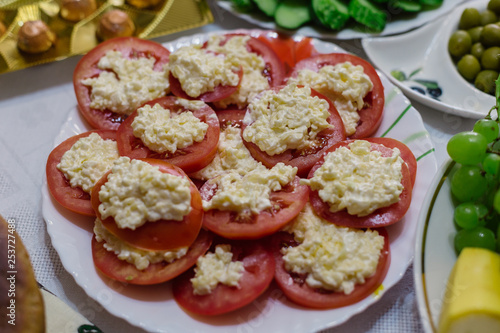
{"type": "Point", "coordinates": [476, 182]}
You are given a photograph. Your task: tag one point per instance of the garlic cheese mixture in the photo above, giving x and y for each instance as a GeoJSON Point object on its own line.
{"type": "Point", "coordinates": [165, 132]}
{"type": "Point", "coordinates": [331, 257]}
{"type": "Point", "coordinates": [125, 84]}
{"type": "Point", "coordinates": [345, 84]}
{"type": "Point", "coordinates": [358, 179]}
{"type": "Point", "coordinates": [200, 71]}
{"type": "Point", "coordinates": [137, 192]}
{"type": "Point", "coordinates": [288, 119]}
{"type": "Point", "coordinates": [253, 80]}
{"type": "Point", "coordinates": [214, 268]}
{"type": "Point", "coordinates": [88, 160]}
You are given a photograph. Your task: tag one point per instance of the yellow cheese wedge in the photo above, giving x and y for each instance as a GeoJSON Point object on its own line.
{"type": "Point", "coordinates": [472, 300]}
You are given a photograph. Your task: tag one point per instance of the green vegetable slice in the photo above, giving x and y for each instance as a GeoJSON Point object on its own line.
{"type": "Point", "coordinates": [291, 14]}
{"type": "Point", "coordinates": [331, 13]}
{"type": "Point", "coordinates": [408, 5]}
{"type": "Point", "coordinates": [267, 6]}
{"type": "Point", "coordinates": [368, 14]}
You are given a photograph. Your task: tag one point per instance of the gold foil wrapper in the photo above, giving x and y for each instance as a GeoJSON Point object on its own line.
{"type": "Point", "coordinates": [72, 38]}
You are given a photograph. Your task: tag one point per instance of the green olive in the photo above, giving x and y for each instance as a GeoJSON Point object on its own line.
{"type": "Point", "coordinates": [490, 36]}
{"type": "Point", "coordinates": [468, 66]}
{"type": "Point", "coordinates": [494, 5]}
{"type": "Point", "coordinates": [470, 18]}
{"type": "Point", "coordinates": [475, 34]}
{"type": "Point", "coordinates": [488, 16]}
{"type": "Point", "coordinates": [491, 58]}
{"type": "Point", "coordinates": [477, 50]}
{"type": "Point", "coordinates": [485, 81]}
{"type": "Point", "coordinates": [459, 43]}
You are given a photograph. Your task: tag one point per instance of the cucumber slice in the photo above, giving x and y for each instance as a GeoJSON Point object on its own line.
{"type": "Point", "coordinates": [431, 2]}
{"type": "Point", "coordinates": [244, 5]}
{"type": "Point", "coordinates": [408, 5]}
{"type": "Point", "coordinates": [291, 14]}
{"type": "Point", "coordinates": [331, 13]}
{"type": "Point", "coordinates": [368, 14]}
{"type": "Point", "coordinates": [267, 6]}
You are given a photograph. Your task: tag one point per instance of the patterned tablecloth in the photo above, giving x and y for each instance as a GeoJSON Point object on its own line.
{"type": "Point", "coordinates": [34, 104]}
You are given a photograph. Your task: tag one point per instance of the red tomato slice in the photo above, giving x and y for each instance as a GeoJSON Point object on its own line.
{"type": "Point", "coordinates": [288, 50]}
{"type": "Point", "coordinates": [220, 92]}
{"type": "Point", "coordinates": [72, 198]}
{"type": "Point", "coordinates": [406, 154]}
{"type": "Point", "coordinates": [132, 47]}
{"type": "Point", "coordinates": [161, 234]}
{"type": "Point", "coordinates": [304, 159]}
{"type": "Point", "coordinates": [109, 264]}
{"type": "Point", "coordinates": [233, 117]}
{"type": "Point", "coordinates": [286, 205]}
{"type": "Point", "coordinates": [381, 217]}
{"type": "Point", "coordinates": [189, 159]}
{"type": "Point", "coordinates": [259, 267]}
{"type": "Point", "coordinates": [371, 114]}
{"type": "Point", "coordinates": [295, 288]}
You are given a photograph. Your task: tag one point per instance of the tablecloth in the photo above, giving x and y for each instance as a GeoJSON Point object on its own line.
{"type": "Point", "coordinates": [34, 104]}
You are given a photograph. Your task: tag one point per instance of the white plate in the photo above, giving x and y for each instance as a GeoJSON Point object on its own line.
{"type": "Point", "coordinates": [395, 26]}
{"type": "Point", "coordinates": [154, 309]}
{"type": "Point", "coordinates": [425, 50]}
{"type": "Point", "coordinates": [434, 251]}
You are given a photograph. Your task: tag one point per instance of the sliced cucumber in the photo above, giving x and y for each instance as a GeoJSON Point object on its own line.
{"type": "Point", "coordinates": [267, 6]}
{"type": "Point", "coordinates": [366, 13]}
{"type": "Point", "coordinates": [332, 13]}
{"type": "Point", "coordinates": [291, 14]}
{"type": "Point", "coordinates": [408, 5]}
{"type": "Point", "coordinates": [244, 5]}
{"type": "Point", "coordinates": [431, 2]}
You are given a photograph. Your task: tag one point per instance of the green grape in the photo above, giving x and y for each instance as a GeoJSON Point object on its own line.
{"type": "Point", "coordinates": [468, 183]}
{"type": "Point", "coordinates": [466, 215]}
{"type": "Point", "coordinates": [482, 210]}
{"type": "Point", "coordinates": [491, 163]}
{"type": "Point", "coordinates": [467, 147]}
{"type": "Point", "coordinates": [476, 237]}
{"type": "Point", "coordinates": [496, 201]}
{"type": "Point", "coordinates": [487, 127]}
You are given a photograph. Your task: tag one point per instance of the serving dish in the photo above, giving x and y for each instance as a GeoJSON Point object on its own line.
{"type": "Point", "coordinates": [154, 309]}
{"type": "Point", "coordinates": [395, 26]}
{"type": "Point", "coordinates": [431, 76]}
{"type": "Point", "coordinates": [434, 250]}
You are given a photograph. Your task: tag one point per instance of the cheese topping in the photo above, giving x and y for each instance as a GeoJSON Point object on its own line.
{"type": "Point", "coordinates": [333, 258]}
{"type": "Point", "coordinates": [288, 119]}
{"type": "Point", "coordinates": [137, 192]}
{"type": "Point", "coordinates": [214, 268]}
{"type": "Point", "coordinates": [200, 71]}
{"type": "Point", "coordinates": [358, 179]}
{"type": "Point", "coordinates": [88, 160]}
{"type": "Point", "coordinates": [141, 259]}
{"type": "Point", "coordinates": [162, 131]}
{"type": "Point", "coordinates": [345, 84]}
{"type": "Point", "coordinates": [231, 155]}
{"type": "Point", "coordinates": [249, 192]}
{"type": "Point", "coordinates": [253, 80]}
{"type": "Point", "coordinates": [125, 84]}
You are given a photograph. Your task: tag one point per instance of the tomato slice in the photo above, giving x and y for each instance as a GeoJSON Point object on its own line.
{"type": "Point", "coordinates": [73, 198]}
{"type": "Point", "coordinates": [109, 264]}
{"type": "Point", "coordinates": [258, 262]}
{"type": "Point", "coordinates": [220, 92]}
{"type": "Point", "coordinates": [381, 217]}
{"type": "Point", "coordinates": [161, 234]}
{"type": "Point", "coordinates": [406, 154]}
{"type": "Point", "coordinates": [286, 205]}
{"type": "Point", "coordinates": [230, 117]}
{"type": "Point", "coordinates": [189, 159]}
{"type": "Point", "coordinates": [304, 159]}
{"type": "Point", "coordinates": [132, 47]}
{"type": "Point", "coordinates": [371, 114]}
{"type": "Point", "coordinates": [299, 292]}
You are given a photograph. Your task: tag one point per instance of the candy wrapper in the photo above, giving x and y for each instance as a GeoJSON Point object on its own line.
{"type": "Point", "coordinates": [36, 32]}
